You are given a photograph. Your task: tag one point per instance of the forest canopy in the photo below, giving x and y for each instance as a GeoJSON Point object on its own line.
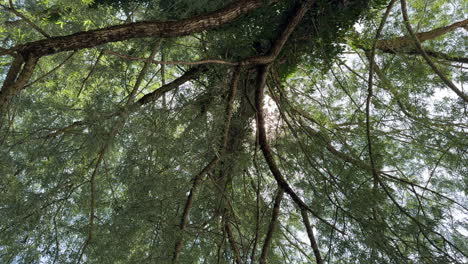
{"type": "Point", "coordinates": [241, 131]}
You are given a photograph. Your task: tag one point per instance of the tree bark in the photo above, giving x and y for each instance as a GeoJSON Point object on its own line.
{"type": "Point", "coordinates": [17, 77]}
{"type": "Point", "coordinates": [161, 29]}
{"type": "Point", "coordinates": [89, 39]}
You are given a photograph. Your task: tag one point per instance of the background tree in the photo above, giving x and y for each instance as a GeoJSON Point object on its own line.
{"type": "Point", "coordinates": [247, 131]}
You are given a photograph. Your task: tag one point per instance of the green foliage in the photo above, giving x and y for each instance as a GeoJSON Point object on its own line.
{"type": "Point", "coordinates": [70, 129]}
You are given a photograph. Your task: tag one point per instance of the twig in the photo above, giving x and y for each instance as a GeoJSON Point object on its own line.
{"type": "Point", "coordinates": [90, 73]}
{"type": "Point", "coordinates": [51, 71]}
{"type": "Point", "coordinates": [115, 129]}
{"type": "Point", "coordinates": [16, 12]}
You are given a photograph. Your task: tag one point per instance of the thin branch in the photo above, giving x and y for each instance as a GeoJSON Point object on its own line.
{"type": "Point", "coordinates": [93, 68]}
{"type": "Point", "coordinates": [283, 37]}
{"type": "Point", "coordinates": [444, 78]}
{"type": "Point", "coordinates": [370, 92]}
{"type": "Point", "coordinates": [92, 205]}
{"type": "Point", "coordinates": [432, 53]}
{"type": "Point", "coordinates": [163, 75]}
{"type": "Point", "coordinates": [163, 62]}
{"type": "Point", "coordinates": [422, 227]}
{"type": "Point", "coordinates": [51, 71]}
{"type": "Point", "coordinates": [142, 74]}
{"type": "Point", "coordinates": [413, 184]}
{"type": "Point", "coordinates": [295, 244]}
{"type": "Point", "coordinates": [65, 129]}
{"type": "Point", "coordinates": [148, 98]}
{"type": "Point", "coordinates": [118, 125]}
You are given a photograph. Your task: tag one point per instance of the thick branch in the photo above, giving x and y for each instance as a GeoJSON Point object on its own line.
{"type": "Point", "coordinates": [405, 41]}
{"type": "Point", "coordinates": [16, 79]}
{"type": "Point", "coordinates": [266, 150]}
{"type": "Point", "coordinates": [161, 29]}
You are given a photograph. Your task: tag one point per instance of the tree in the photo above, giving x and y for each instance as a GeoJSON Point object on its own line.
{"type": "Point", "coordinates": [253, 131]}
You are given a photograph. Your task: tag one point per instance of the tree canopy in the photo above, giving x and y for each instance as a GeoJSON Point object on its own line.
{"type": "Point", "coordinates": [242, 131]}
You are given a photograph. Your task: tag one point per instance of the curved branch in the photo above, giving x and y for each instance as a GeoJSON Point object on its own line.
{"type": "Point", "coordinates": [188, 205]}
{"type": "Point", "coordinates": [262, 73]}
{"type": "Point", "coordinates": [444, 78]}
{"type": "Point", "coordinates": [16, 79]}
{"type": "Point", "coordinates": [197, 180]}
{"type": "Point", "coordinates": [267, 152]}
